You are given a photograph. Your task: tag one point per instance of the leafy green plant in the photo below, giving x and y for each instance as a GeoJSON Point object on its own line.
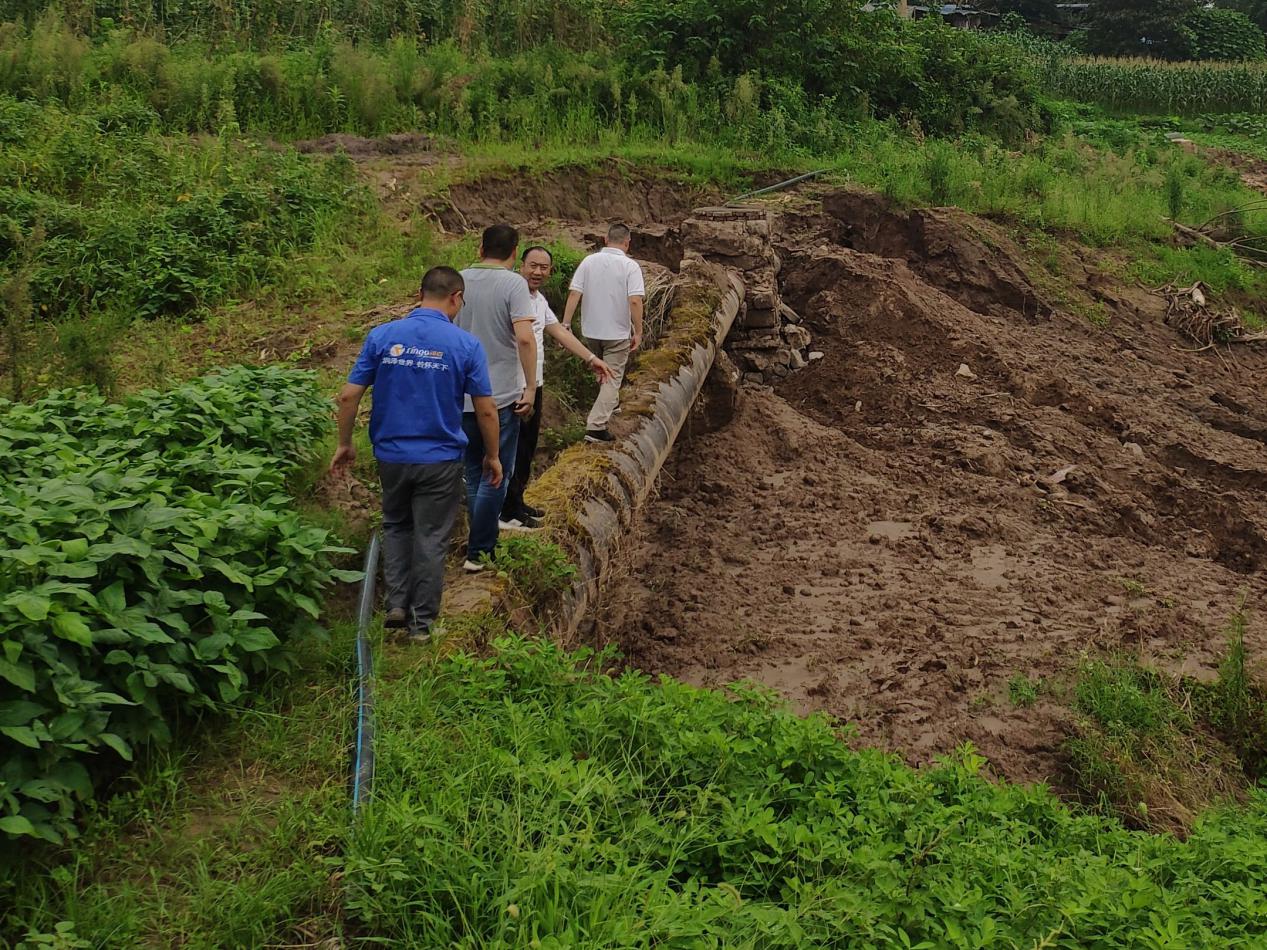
{"type": "Point", "coordinates": [1225, 35]}
{"type": "Point", "coordinates": [538, 569]}
{"type": "Point", "coordinates": [556, 440]}
{"type": "Point", "coordinates": [570, 805]}
{"type": "Point", "coordinates": [133, 224]}
{"type": "Point", "coordinates": [153, 568]}
{"type": "Point", "coordinates": [227, 839]}
{"type": "Point", "coordinates": [63, 937]}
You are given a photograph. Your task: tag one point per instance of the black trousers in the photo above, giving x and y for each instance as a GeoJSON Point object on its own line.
{"type": "Point", "coordinates": [420, 507]}
{"type": "Point", "coordinates": [529, 433]}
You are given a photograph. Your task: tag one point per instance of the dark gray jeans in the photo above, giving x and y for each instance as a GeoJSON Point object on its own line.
{"type": "Point", "coordinates": [420, 506]}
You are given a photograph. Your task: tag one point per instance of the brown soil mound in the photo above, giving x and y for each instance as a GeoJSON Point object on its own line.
{"type": "Point", "coordinates": [891, 538]}
{"type": "Point", "coordinates": [613, 192]}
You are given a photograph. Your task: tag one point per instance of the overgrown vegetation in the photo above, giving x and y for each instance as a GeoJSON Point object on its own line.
{"type": "Point", "coordinates": [222, 842]}
{"type": "Point", "coordinates": [154, 569]}
{"type": "Point", "coordinates": [102, 213]}
{"type": "Point", "coordinates": [157, 571]}
{"type": "Point", "coordinates": [538, 570]}
{"type": "Point", "coordinates": [1157, 751]}
{"type": "Point", "coordinates": [566, 806]}
{"type": "Point", "coordinates": [680, 70]}
{"type": "Point", "coordinates": [1236, 705]}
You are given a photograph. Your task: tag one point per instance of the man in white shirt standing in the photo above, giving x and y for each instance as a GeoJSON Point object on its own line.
{"type": "Point", "coordinates": [609, 288]}
{"type": "Point", "coordinates": [535, 266]}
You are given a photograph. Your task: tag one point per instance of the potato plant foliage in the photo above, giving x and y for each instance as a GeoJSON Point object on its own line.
{"type": "Point", "coordinates": [151, 566]}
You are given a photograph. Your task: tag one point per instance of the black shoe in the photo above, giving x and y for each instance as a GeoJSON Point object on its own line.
{"type": "Point", "coordinates": [598, 435]}
{"type": "Point", "coordinates": [532, 512]}
{"type": "Point", "coordinates": [528, 521]}
{"type": "Point", "coordinates": [395, 619]}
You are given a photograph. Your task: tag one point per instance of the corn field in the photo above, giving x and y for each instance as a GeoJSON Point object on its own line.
{"type": "Point", "coordinates": [1145, 85]}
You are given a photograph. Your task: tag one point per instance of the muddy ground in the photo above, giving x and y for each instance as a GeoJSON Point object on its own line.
{"type": "Point", "coordinates": [891, 538]}
{"type": "Point", "coordinates": [890, 541]}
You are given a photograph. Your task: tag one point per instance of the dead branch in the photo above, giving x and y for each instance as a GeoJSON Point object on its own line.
{"type": "Point", "coordinates": [1188, 312]}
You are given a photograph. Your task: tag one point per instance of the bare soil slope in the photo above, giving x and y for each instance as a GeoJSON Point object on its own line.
{"type": "Point", "coordinates": [891, 538]}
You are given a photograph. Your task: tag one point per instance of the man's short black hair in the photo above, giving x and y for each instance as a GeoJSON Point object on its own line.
{"type": "Point", "coordinates": [441, 282]}
{"type": "Point", "coordinates": [537, 247]}
{"type": "Point", "coordinates": [618, 233]}
{"type": "Point", "coordinates": [499, 241]}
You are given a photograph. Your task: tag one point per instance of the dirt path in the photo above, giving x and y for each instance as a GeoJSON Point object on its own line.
{"type": "Point", "coordinates": [890, 540]}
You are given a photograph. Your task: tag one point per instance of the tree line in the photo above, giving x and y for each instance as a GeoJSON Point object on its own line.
{"type": "Point", "coordinates": [1161, 29]}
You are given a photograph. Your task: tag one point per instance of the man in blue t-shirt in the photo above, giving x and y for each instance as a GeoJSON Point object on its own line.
{"type": "Point", "coordinates": [421, 368]}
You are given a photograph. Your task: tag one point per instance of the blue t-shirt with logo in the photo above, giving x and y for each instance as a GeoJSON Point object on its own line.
{"type": "Point", "coordinates": [420, 368]}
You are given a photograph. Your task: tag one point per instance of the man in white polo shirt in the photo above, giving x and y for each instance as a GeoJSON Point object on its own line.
{"type": "Point", "coordinates": [609, 288]}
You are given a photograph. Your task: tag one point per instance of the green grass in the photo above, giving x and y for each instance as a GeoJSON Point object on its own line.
{"type": "Point", "coordinates": [530, 799]}
{"type": "Point", "coordinates": [1022, 691]}
{"type": "Point", "coordinates": [1157, 751]}
{"type": "Point", "coordinates": [251, 253]}
{"type": "Point", "coordinates": [1236, 704]}
{"type": "Point", "coordinates": [229, 842]}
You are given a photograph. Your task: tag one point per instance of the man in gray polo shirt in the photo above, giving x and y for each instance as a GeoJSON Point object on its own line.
{"type": "Point", "coordinates": [609, 288]}
{"type": "Point", "coordinates": [498, 311]}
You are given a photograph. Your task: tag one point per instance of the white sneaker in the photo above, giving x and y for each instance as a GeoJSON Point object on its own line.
{"type": "Point", "coordinates": [510, 525]}
{"type": "Point", "coordinates": [473, 567]}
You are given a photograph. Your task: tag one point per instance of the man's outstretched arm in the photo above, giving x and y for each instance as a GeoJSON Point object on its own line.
{"type": "Point", "coordinates": [567, 339]}
{"type": "Point", "coordinates": [349, 402]}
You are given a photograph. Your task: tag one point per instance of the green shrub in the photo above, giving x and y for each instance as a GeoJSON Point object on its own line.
{"type": "Point", "coordinates": [677, 68]}
{"type": "Point", "coordinates": [568, 807]}
{"type": "Point", "coordinates": [137, 226]}
{"type": "Point", "coordinates": [537, 569]}
{"type": "Point", "coordinates": [152, 569]}
{"type": "Point", "coordinates": [1225, 35]}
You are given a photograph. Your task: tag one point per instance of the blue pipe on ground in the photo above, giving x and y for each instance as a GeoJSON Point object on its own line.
{"type": "Point", "coordinates": [363, 764]}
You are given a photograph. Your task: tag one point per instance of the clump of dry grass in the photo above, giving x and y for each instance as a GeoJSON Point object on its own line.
{"type": "Point", "coordinates": [658, 305]}
{"type": "Point", "coordinates": [685, 325]}
{"type": "Point", "coordinates": [581, 472]}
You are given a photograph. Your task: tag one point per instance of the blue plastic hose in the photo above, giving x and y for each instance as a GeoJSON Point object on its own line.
{"type": "Point", "coordinates": [363, 765]}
